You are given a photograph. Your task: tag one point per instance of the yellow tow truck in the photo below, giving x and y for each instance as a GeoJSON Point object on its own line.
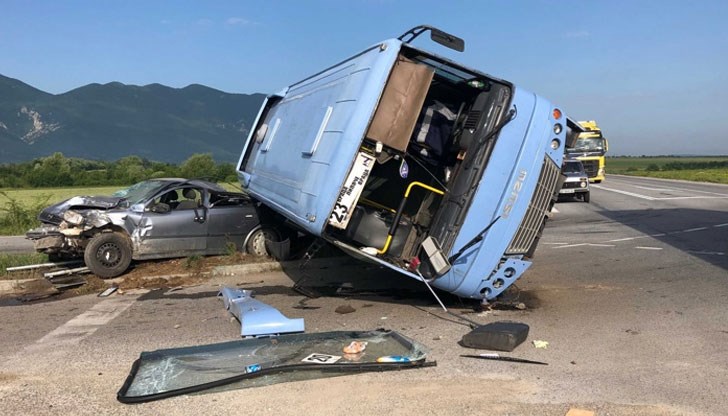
{"type": "Point", "coordinates": [591, 148]}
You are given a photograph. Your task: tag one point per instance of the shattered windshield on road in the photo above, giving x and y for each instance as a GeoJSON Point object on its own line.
{"type": "Point", "coordinates": [253, 362]}
{"type": "Point", "coordinates": [140, 191]}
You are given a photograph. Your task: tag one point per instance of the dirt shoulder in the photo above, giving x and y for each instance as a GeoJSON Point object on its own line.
{"type": "Point", "coordinates": [181, 272]}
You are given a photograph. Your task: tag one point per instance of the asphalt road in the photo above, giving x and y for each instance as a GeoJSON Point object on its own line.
{"type": "Point", "coordinates": [630, 291]}
{"type": "Point", "coordinates": [15, 244]}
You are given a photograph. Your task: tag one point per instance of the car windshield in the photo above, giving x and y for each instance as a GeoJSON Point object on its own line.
{"type": "Point", "coordinates": [573, 167]}
{"type": "Point", "coordinates": [140, 191]}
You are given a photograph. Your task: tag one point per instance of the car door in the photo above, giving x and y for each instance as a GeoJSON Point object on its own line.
{"type": "Point", "coordinates": [230, 219]}
{"type": "Point", "coordinates": [179, 232]}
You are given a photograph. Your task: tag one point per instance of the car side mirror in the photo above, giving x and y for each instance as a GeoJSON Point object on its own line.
{"type": "Point", "coordinates": [160, 208]}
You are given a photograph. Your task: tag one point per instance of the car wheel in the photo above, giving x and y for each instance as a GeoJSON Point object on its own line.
{"type": "Point", "coordinates": [108, 254]}
{"type": "Point", "coordinates": [585, 197]}
{"type": "Point", "coordinates": [256, 242]}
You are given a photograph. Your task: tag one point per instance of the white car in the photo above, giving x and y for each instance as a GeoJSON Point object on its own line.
{"type": "Point", "coordinates": [577, 181]}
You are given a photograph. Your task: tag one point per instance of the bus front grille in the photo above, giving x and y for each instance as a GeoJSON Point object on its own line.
{"type": "Point", "coordinates": [531, 226]}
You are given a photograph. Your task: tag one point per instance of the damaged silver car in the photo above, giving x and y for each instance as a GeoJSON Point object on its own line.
{"type": "Point", "coordinates": [154, 219]}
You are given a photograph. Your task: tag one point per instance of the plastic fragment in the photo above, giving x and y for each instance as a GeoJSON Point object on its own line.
{"type": "Point", "coordinates": [355, 347]}
{"type": "Point", "coordinates": [393, 359]}
{"type": "Point", "coordinates": [540, 344]}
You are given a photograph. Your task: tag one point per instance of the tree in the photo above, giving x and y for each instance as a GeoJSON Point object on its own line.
{"type": "Point", "coordinates": [51, 171]}
{"type": "Point", "coordinates": [198, 166]}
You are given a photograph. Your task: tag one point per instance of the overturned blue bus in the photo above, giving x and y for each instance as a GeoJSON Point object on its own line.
{"type": "Point", "coordinates": [407, 159]}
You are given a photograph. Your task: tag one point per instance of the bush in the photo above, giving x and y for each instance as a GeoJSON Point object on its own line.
{"type": "Point", "coordinates": [15, 260]}
{"type": "Point", "coordinates": [16, 219]}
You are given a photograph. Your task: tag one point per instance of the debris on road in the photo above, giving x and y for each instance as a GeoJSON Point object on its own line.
{"type": "Point", "coordinates": [355, 347]}
{"type": "Point", "coordinates": [43, 266]}
{"type": "Point", "coordinates": [108, 291]}
{"type": "Point", "coordinates": [344, 309]}
{"type": "Point", "coordinates": [62, 274]}
{"type": "Point", "coordinates": [540, 344]}
{"type": "Point", "coordinates": [496, 357]}
{"type": "Point", "coordinates": [254, 362]}
{"type": "Point", "coordinates": [499, 336]}
{"type": "Point", "coordinates": [257, 318]}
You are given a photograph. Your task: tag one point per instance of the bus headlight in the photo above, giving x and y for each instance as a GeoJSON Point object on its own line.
{"type": "Point", "coordinates": [555, 143]}
{"type": "Point", "coordinates": [558, 128]}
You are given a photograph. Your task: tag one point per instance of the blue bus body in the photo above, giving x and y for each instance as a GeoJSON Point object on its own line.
{"type": "Point", "coordinates": [412, 161]}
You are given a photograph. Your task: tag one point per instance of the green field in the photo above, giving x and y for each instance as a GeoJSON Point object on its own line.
{"type": "Point", "coordinates": [701, 169]}
{"type": "Point", "coordinates": [20, 207]}
{"type": "Point", "coordinates": [28, 197]}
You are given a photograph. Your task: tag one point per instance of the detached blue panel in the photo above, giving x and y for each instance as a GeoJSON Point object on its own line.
{"type": "Point", "coordinates": [257, 318]}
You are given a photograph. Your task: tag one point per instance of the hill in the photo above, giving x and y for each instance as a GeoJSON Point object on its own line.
{"type": "Point", "coordinates": [110, 121]}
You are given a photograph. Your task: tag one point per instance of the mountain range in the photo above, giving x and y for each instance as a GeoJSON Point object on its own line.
{"type": "Point", "coordinates": [110, 121]}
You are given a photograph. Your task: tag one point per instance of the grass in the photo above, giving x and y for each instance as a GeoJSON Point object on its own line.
{"type": "Point", "coordinates": [51, 195]}
{"type": "Point", "coordinates": [19, 208]}
{"type": "Point", "coordinates": [15, 260]}
{"type": "Point", "coordinates": [699, 169]}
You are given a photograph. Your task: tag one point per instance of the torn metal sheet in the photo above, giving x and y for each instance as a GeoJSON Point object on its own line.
{"type": "Point", "coordinates": [108, 291]}
{"type": "Point", "coordinates": [256, 362]}
{"type": "Point", "coordinates": [75, 270]}
{"type": "Point", "coordinates": [43, 266]}
{"type": "Point", "coordinates": [257, 318]}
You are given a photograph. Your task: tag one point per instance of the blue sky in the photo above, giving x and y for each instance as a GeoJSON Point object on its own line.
{"type": "Point", "coordinates": [654, 74]}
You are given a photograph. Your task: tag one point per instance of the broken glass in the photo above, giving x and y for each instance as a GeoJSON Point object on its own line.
{"type": "Point", "coordinates": [262, 361]}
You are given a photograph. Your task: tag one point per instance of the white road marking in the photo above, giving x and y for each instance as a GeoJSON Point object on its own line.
{"type": "Point", "coordinates": [681, 190]}
{"type": "Point", "coordinates": [587, 244]}
{"type": "Point", "coordinates": [709, 253]}
{"type": "Point", "coordinates": [86, 323]}
{"type": "Point", "coordinates": [619, 240]}
{"type": "Point", "coordinates": [651, 198]}
{"type": "Point", "coordinates": [627, 239]}
{"type": "Point", "coordinates": [675, 198]}
{"type": "Point", "coordinates": [572, 245]}
{"type": "Point", "coordinates": [654, 189]}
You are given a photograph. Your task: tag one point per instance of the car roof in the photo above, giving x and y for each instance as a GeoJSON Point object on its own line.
{"type": "Point", "coordinates": [193, 182]}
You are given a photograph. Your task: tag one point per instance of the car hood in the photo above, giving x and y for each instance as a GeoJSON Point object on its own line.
{"type": "Point", "coordinates": [54, 213]}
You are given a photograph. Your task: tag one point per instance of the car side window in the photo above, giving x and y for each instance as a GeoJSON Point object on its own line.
{"type": "Point", "coordinates": [190, 198]}
{"type": "Point", "coordinates": [170, 198]}
{"type": "Point", "coordinates": [217, 200]}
